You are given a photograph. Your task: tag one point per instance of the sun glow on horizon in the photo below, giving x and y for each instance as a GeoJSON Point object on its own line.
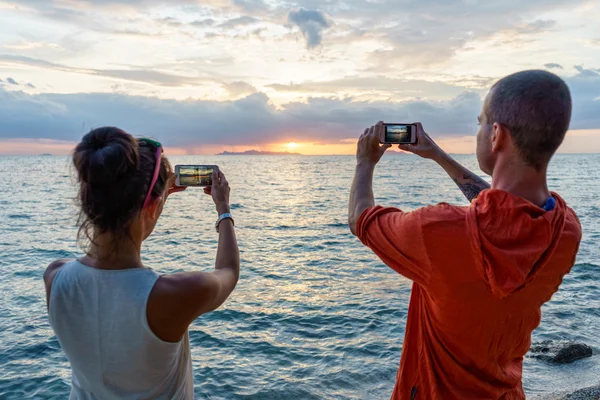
{"type": "Point", "coordinates": [576, 141]}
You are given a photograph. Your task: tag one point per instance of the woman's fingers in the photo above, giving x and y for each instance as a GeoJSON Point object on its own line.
{"type": "Point", "coordinates": [222, 178]}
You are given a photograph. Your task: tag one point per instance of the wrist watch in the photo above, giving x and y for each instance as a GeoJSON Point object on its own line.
{"type": "Point", "coordinates": [223, 217]}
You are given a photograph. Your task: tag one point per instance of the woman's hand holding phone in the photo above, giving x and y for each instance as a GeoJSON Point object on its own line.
{"type": "Point", "coordinates": [173, 188]}
{"type": "Point", "coordinates": [219, 191]}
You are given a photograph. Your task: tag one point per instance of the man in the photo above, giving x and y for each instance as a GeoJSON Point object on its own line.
{"type": "Point", "coordinates": [481, 273]}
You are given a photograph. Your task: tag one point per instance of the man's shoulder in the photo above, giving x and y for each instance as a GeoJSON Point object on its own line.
{"type": "Point", "coordinates": [443, 212]}
{"type": "Point", "coordinates": [573, 224]}
{"type": "Point", "coordinates": [444, 216]}
{"type": "Point", "coordinates": [440, 215]}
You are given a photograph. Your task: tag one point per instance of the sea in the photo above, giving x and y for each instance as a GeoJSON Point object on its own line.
{"type": "Point", "coordinates": [315, 314]}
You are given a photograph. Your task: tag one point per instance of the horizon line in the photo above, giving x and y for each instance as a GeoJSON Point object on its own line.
{"type": "Point", "coordinates": [273, 155]}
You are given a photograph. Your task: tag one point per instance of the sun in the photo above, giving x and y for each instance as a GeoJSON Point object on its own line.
{"type": "Point", "coordinates": [292, 145]}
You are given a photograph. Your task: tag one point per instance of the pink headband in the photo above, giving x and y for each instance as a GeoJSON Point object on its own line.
{"type": "Point", "coordinates": [155, 177]}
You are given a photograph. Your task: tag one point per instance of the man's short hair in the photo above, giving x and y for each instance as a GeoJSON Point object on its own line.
{"type": "Point", "coordinates": [536, 107]}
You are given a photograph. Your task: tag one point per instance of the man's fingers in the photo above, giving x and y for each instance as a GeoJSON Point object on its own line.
{"type": "Point", "coordinates": [405, 147]}
{"type": "Point", "coordinates": [379, 128]}
{"type": "Point", "coordinates": [208, 190]}
{"type": "Point", "coordinates": [383, 148]}
{"type": "Point", "coordinates": [215, 178]}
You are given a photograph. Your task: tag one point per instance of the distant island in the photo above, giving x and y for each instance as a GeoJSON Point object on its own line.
{"type": "Point", "coordinates": [258, 153]}
{"type": "Point", "coordinates": [45, 155]}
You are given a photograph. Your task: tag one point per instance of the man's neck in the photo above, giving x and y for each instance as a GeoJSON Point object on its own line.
{"type": "Point", "coordinates": [522, 181]}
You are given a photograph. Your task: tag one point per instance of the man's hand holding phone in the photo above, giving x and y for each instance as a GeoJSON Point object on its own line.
{"type": "Point", "coordinates": [369, 150]}
{"type": "Point", "coordinates": [424, 147]}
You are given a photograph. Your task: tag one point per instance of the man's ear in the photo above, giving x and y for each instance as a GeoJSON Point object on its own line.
{"type": "Point", "coordinates": [500, 136]}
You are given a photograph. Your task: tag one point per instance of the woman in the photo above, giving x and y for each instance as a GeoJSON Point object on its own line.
{"type": "Point", "coordinates": [123, 327]}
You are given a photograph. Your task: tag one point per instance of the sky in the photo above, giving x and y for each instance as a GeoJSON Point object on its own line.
{"type": "Point", "coordinates": [205, 76]}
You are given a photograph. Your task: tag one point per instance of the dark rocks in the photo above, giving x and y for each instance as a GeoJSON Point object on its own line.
{"type": "Point", "coordinates": [560, 352]}
{"type": "Point", "coordinates": [592, 393]}
{"type": "Point", "coordinates": [573, 352]}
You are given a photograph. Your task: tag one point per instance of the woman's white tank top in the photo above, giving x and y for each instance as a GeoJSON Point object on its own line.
{"type": "Point", "coordinates": [99, 317]}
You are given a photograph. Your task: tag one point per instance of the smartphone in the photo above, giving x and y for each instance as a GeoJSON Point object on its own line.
{"type": "Point", "coordinates": [399, 134]}
{"type": "Point", "coordinates": [194, 175]}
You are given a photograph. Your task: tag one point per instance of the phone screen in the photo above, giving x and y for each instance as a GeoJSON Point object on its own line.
{"type": "Point", "coordinates": [195, 175]}
{"type": "Point", "coordinates": [397, 134]}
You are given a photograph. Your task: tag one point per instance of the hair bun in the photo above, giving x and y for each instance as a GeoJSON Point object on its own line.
{"type": "Point", "coordinates": [106, 155]}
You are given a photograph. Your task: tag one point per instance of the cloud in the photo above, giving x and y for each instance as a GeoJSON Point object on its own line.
{"type": "Point", "coordinates": [553, 66]}
{"type": "Point", "coordinates": [29, 85]}
{"type": "Point", "coordinates": [250, 120]}
{"type": "Point", "coordinates": [133, 32]}
{"type": "Point", "coordinates": [12, 81]}
{"type": "Point", "coordinates": [251, 5]}
{"type": "Point", "coordinates": [170, 21]}
{"type": "Point", "coordinates": [135, 75]}
{"type": "Point", "coordinates": [585, 90]}
{"type": "Point", "coordinates": [404, 88]}
{"type": "Point", "coordinates": [312, 23]}
{"type": "Point", "coordinates": [536, 27]}
{"type": "Point", "coordinates": [237, 89]}
{"type": "Point", "coordinates": [204, 23]}
{"type": "Point", "coordinates": [240, 21]}
{"type": "Point", "coordinates": [254, 119]}
{"type": "Point", "coordinates": [586, 73]}
{"type": "Point", "coordinates": [425, 32]}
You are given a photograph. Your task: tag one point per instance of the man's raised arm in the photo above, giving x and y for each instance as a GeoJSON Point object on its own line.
{"type": "Point", "coordinates": [368, 154]}
{"type": "Point", "coordinates": [468, 182]}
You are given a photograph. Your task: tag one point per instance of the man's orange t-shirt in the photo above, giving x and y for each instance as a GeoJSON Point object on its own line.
{"type": "Point", "coordinates": [481, 274]}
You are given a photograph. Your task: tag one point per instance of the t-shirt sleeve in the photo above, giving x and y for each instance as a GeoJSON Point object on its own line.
{"type": "Point", "coordinates": [396, 237]}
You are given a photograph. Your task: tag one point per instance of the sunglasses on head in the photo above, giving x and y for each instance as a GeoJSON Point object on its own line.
{"type": "Point", "coordinates": [159, 151]}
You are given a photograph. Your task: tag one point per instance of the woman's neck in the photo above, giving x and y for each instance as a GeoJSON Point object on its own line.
{"type": "Point", "coordinates": [106, 252]}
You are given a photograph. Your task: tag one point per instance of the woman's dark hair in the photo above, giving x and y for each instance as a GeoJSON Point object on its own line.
{"type": "Point", "coordinates": [114, 172]}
